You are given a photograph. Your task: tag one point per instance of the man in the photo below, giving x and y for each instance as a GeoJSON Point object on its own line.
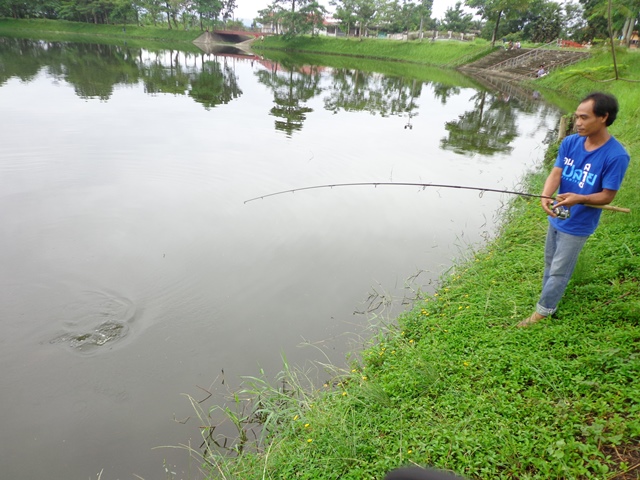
{"type": "Point", "coordinates": [588, 171]}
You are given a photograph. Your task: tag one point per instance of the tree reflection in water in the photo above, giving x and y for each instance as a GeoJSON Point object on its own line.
{"type": "Point", "coordinates": [487, 129]}
{"type": "Point", "coordinates": [94, 71]}
{"type": "Point", "coordinates": [291, 89]}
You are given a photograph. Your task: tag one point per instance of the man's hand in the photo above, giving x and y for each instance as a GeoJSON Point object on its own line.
{"type": "Point", "coordinates": [551, 185]}
{"type": "Point", "coordinates": [547, 206]}
{"type": "Point", "coordinates": [569, 199]}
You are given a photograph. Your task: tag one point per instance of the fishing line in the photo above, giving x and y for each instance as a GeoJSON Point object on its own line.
{"type": "Point", "coordinates": [424, 186]}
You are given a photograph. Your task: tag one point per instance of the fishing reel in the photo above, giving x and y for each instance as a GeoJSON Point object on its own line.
{"type": "Point", "coordinates": [562, 212]}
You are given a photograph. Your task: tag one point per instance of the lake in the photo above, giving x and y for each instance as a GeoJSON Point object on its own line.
{"type": "Point", "coordinates": [133, 273]}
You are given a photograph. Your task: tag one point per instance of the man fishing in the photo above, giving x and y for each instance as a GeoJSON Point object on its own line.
{"type": "Point", "coordinates": [589, 170]}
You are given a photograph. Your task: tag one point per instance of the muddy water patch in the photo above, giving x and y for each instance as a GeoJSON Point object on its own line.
{"type": "Point", "coordinates": [95, 321]}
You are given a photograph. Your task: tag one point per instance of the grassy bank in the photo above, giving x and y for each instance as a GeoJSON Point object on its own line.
{"type": "Point", "coordinates": [62, 30]}
{"type": "Point", "coordinates": [454, 385]}
{"type": "Point", "coordinates": [441, 53]}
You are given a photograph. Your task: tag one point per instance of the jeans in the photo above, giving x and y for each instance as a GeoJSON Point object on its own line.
{"type": "Point", "coordinates": [560, 258]}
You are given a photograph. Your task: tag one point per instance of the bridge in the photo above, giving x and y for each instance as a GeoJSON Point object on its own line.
{"type": "Point", "coordinates": [228, 36]}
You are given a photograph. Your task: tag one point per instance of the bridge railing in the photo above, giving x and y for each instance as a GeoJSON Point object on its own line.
{"type": "Point", "coordinates": [520, 59]}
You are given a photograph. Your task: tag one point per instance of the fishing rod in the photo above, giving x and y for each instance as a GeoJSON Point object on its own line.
{"type": "Point", "coordinates": [426, 185]}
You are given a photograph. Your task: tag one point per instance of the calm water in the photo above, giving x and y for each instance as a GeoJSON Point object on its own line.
{"type": "Point", "coordinates": [132, 271]}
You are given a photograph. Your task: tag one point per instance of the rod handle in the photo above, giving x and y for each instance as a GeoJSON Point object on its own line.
{"type": "Point", "coordinates": [610, 207]}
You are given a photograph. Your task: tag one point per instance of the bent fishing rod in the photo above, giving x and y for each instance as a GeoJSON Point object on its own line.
{"type": "Point", "coordinates": [424, 186]}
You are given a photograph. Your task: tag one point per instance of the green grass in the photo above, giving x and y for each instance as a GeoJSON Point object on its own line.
{"type": "Point", "coordinates": [453, 384]}
{"type": "Point", "coordinates": [60, 28]}
{"type": "Point", "coordinates": [441, 53]}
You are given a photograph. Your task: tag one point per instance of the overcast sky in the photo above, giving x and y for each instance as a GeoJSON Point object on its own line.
{"type": "Point", "coordinates": [248, 9]}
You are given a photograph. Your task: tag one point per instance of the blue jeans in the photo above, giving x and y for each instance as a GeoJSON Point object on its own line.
{"type": "Point", "coordinates": [560, 257]}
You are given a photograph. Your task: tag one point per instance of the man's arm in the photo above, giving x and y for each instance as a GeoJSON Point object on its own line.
{"type": "Point", "coordinates": [604, 197]}
{"type": "Point", "coordinates": [551, 185]}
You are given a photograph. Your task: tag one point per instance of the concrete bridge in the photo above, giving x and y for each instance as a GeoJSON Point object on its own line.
{"type": "Point", "coordinates": [227, 36]}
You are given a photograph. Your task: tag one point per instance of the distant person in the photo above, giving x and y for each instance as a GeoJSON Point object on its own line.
{"type": "Point", "coordinates": [541, 72]}
{"type": "Point", "coordinates": [589, 169]}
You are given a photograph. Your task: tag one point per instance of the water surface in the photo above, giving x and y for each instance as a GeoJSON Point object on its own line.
{"type": "Point", "coordinates": [132, 271]}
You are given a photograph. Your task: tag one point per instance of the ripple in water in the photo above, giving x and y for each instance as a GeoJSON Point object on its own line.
{"type": "Point", "coordinates": [95, 320]}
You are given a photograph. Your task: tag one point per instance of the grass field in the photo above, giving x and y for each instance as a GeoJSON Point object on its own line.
{"type": "Point", "coordinates": [441, 53]}
{"type": "Point", "coordinates": [41, 28]}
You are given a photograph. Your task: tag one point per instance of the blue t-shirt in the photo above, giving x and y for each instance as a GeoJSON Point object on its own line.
{"type": "Point", "coordinates": [584, 173]}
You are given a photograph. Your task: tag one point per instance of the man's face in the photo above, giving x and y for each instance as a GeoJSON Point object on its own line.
{"type": "Point", "coordinates": [587, 123]}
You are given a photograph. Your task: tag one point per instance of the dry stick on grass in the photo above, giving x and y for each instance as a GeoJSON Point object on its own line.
{"type": "Point", "coordinates": [624, 472]}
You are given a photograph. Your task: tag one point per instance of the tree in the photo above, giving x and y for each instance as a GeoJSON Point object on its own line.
{"type": "Point", "coordinates": [594, 12]}
{"type": "Point", "coordinates": [456, 20]}
{"type": "Point", "coordinates": [345, 13]}
{"type": "Point", "coordinates": [495, 10]}
{"type": "Point", "coordinates": [171, 8]}
{"type": "Point", "coordinates": [314, 14]}
{"type": "Point", "coordinates": [364, 13]}
{"type": "Point", "coordinates": [228, 7]}
{"type": "Point", "coordinates": [299, 16]}
{"type": "Point", "coordinates": [423, 9]}
{"type": "Point", "coordinates": [573, 22]}
{"type": "Point", "coordinates": [208, 10]}
{"type": "Point", "coordinates": [272, 15]}
{"type": "Point", "coordinates": [396, 15]}
{"type": "Point", "coordinates": [542, 22]}
{"type": "Point", "coordinates": [545, 23]}
{"type": "Point", "coordinates": [123, 11]}
{"type": "Point", "coordinates": [153, 10]}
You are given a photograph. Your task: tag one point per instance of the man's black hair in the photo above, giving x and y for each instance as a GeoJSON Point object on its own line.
{"type": "Point", "coordinates": [603, 103]}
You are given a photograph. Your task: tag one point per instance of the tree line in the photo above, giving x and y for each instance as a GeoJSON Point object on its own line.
{"type": "Point", "coordinates": [173, 13]}
{"type": "Point", "coordinates": [527, 20]}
